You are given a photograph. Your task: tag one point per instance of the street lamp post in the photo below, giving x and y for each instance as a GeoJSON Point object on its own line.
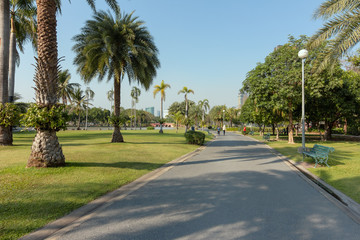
{"type": "Point", "coordinates": [303, 54]}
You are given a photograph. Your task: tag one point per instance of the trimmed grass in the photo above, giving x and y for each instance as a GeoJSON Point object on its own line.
{"type": "Point", "coordinates": [31, 198]}
{"type": "Point", "coordinates": [344, 171]}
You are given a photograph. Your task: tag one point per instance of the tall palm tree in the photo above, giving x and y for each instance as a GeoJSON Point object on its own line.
{"type": "Point", "coordinates": [161, 88]}
{"type": "Point", "coordinates": [90, 94]}
{"type": "Point", "coordinates": [135, 93]}
{"type": "Point", "coordinates": [66, 88]}
{"type": "Point", "coordinates": [79, 103]}
{"type": "Point", "coordinates": [342, 27]}
{"type": "Point", "coordinates": [186, 91]}
{"type": "Point", "coordinates": [23, 28]}
{"type": "Point", "coordinates": [46, 150]}
{"type": "Point", "coordinates": [177, 117]}
{"type": "Point", "coordinates": [5, 132]}
{"type": "Point", "coordinates": [204, 104]}
{"type": "Point", "coordinates": [115, 46]}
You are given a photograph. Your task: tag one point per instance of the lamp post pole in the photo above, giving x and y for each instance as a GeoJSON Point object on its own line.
{"type": "Point", "coordinates": [303, 54]}
{"type": "Point", "coordinates": [223, 116]}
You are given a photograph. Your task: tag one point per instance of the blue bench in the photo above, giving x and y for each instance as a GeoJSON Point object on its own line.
{"type": "Point", "coordinates": [266, 137]}
{"type": "Point", "coordinates": [319, 153]}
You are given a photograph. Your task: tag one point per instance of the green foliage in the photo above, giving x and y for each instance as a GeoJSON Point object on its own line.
{"type": "Point", "coordinates": [194, 137]}
{"type": "Point", "coordinates": [117, 120]}
{"type": "Point", "coordinates": [150, 128]}
{"type": "Point", "coordinates": [9, 114]}
{"type": "Point", "coordinates": [162, 121]}
{"type": "Point", "coordinates": [46, 118]}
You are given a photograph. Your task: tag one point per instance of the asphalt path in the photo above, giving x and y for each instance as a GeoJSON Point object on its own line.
{"type": "Point", "coordinates": [236, 188]}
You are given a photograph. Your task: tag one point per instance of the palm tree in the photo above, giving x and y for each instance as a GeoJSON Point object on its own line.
{"type": "Point", "coordinates": [89, 97]}
{"type": "Point", "coordinates": [79, 103]}
{"type": "Point", "coordinates": [186, 91]}
{"type": "Point", "coordinates": [135, 93]}
{"type": "Point", "coordinates": [341, 27]}
{"type": "Point", "coordinates": [115, 46]}
{"type": "Point", "coordinates": [204, 104]}
{"type": "Point", "coordinates": [46, 150]}
{"type": "Point", "coordinates": [23, 29]}
{"type": "Point", "coordinates": [177, 117]}
{"type": "Point", "coordinates": [161, 88]}
{"type": "Point", "coordinates": [5, 132]}
{"type": "Point", "coordinates": [66, 88]}
{"type": "Point", "coordinates": [110, 97]}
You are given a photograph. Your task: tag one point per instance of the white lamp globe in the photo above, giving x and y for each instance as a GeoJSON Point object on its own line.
{"type": "Point", "coordinates": [303, 53]}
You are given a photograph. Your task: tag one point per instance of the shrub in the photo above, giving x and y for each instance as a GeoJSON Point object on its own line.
{"type": "Point", "coordinates": [338, 131]}
{"type": "Point", "coordinates": [150, 128]}
{"type": "Point", "coordinates": [9, 114]}
{"type": "Point", "coordinates": [193, 137]}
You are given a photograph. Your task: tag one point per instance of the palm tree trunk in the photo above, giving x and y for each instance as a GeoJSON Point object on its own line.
{"type": "Point", "coordinates": [186, 113]}
{"type": "Point", "coordinates": [291, 131]}
{"type": "Point", "coordinates": [5, 132]}
{"type": "Point", "coordinates": [117, 136]}
{"type": "Point", "coordinates": [12, 61]}
{"type": "Point", "coordinates": [46, 150]}
{"type": "Point", "coordinates": [78, 124]}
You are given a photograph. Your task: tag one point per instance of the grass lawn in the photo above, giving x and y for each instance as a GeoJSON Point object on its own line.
{"type": "Point", "coordinates": [344, 173]}
{"type": "Point", "coordinates": [31, 198]}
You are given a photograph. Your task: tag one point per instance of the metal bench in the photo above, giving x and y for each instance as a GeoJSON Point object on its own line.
{"type": "Point", "coordinates": [319, 153]}
{"type": "Point", "coordinates": [266, 137]}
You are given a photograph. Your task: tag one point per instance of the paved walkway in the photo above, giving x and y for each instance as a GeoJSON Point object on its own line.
{"type": "Point", "coordinates": [234, 189]}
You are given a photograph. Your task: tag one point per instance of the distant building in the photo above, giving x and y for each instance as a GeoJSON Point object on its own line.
{"type": "Point", "coordinates": [158, 113]}
{"type": "Point", "coordinates": [150, 110]}
{"type": "Point", "coordinates": [166, 113]}
{"type": "Point", "coordinates": [241, 99]}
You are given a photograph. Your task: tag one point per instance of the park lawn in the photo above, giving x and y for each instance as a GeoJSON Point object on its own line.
{"type": "Point", "coordinates": [344, 171]}
{"type": "Point", "coordinates": [31, 198]}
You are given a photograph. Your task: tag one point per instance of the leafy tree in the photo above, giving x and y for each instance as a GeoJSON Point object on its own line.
{"type": "Point", "coordinates": [161, 89]}
{"type": "Point", "coordinates": [341, 27]}
{"type": "Point", "coordinates": [216, 114]}
{"type": "Point", "coordinates": [90, 94]}
{"type": "Point", "coordinates": [115, 46]}
{"type": "Point", "coordinates": [178, 116]}
{"type": "Point", "coordinates": [186, 91]}
{"type": "Point", "coordinates": [180, 106]}
{"type": "Point", "coordinates": [196, 113]}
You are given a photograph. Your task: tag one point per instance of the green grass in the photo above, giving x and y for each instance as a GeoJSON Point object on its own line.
{"type": "Point", "coordinates": [344, 173]}
{"type": "Point", "coordinates": [31, 198]}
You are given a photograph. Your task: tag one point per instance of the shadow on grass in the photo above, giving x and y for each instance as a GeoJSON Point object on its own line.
{"type": "Point", "coordinates": [131, 165]}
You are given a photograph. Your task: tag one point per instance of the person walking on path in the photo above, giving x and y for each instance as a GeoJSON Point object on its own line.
{"type": "Point", "coordinates": [218, 130]}
{"type": "Point", "coordinates": [224, 129]}
{"type": "Point", "coordinates": [244, 130]}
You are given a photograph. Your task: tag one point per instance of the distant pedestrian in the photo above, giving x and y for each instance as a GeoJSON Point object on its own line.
{"type": "Point", "coordinates": [224, 129]}
{"type": "Point", "coordinates": [244, 130]}
{"type": "Point", "coordinates": [218, 129]}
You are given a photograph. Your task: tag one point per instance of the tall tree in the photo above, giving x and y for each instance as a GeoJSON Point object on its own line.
{"type": "Point", "coordinates": [46, 150]}
{"type": "Point", "coordinates": [116, 46]}
{"type": "Point", "coordinates": [135, 94]}
{"type": "Point", "coordinates": [342, 27]}
{"type": "Point", "coordinates": [204, 104]}
{"type": "Point", "coordinates": [186, 91]}
{"type": "Point", "coordinates": [66, 89]}
{"type": "Point", "coordinates": [5, 131]}
{"type": "Point", "coordinates": [23, 29]}
{"type": "Point", "coordinates": [79, 103]}
{"type": "Point", "coordinates": [161, 89]}
{"type": "Point", "coordinates": [90, 94]}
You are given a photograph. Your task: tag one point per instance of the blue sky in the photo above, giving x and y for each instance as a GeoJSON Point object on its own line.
{"type": "Point", "coordinates": [205, 45]}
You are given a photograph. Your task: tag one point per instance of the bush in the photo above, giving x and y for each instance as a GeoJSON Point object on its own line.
{"type": "Point", "coordinates": [150, 128]}
{"type": "Point", "coordinates": [193, 137]}
{"type": "Point", "coordinates": [338, 131]}
{"type": "Point", "coordinates": [233, 129]}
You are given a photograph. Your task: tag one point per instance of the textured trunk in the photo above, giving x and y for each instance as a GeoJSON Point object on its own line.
{"type": "Point", "coordinates": [277, 133]}
{"type": "Point", "coordinates": [12, 64]}
{"type": "Point", "coordinates": [321, 136]}
{"type": "Point", "coordinates": [328, 130]}
{"type": "Point", "coordinates": [5, 132]}
{"type": "Point", "coordinates": [291, 131]}
{"type": "Point", "coordinates": [186, 113]}
{"type": "Point", "coordinates": [78, 123]}
{"type": "Point", "coordinates": [117, 136]}
{"type": "Point", "coordinates": [46, 150]}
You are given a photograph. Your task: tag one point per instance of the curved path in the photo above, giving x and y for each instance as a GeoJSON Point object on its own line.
{"type": "Point", "coordinates": [234, 189]}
